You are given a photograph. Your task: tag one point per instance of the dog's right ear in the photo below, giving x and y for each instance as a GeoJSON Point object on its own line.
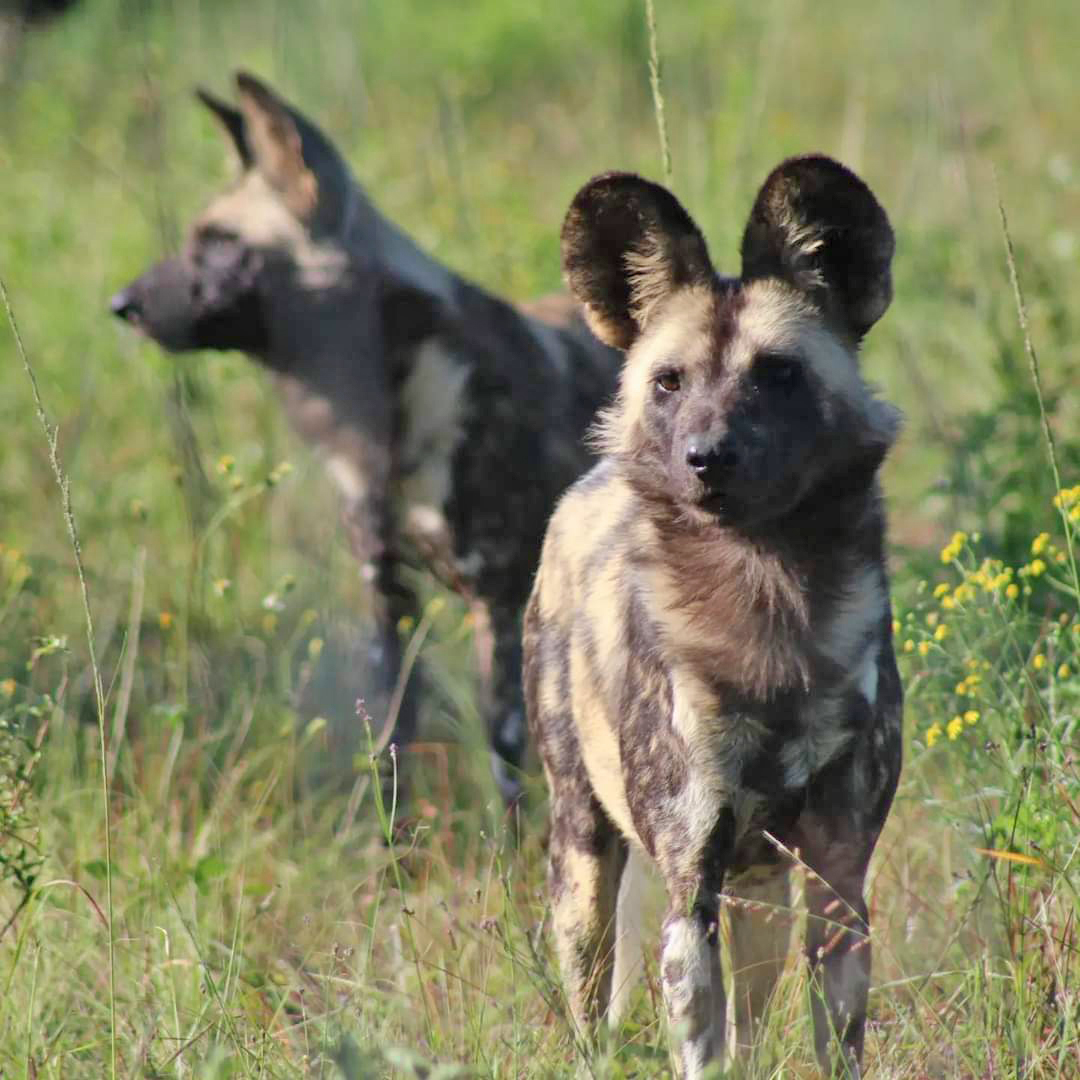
{"type": "Point", "coordinates": [232, 123]}
{"type": "Point", "coordinates": [627, 244]}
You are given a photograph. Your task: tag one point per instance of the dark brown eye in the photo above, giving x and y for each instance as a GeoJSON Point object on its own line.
{"type": "Point", "coordinates": [669, 381]}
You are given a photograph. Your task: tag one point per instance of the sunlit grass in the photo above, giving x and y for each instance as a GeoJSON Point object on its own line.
{"type": "Point", "coordinates": [262, 926]}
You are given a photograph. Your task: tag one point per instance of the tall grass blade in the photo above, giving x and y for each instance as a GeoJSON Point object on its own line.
{"type": "Point", "coordinates": [1036, 378]}
{"type": "Point", "coordinates": [52, 437]}
{"type": "Point", "coordinates": [657, 90]}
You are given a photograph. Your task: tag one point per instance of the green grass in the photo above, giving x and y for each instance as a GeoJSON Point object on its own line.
{"type": "Point", "coordinates": [261, 927]}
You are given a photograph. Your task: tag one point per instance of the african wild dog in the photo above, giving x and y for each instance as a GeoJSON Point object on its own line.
{"type": "Point", "coordinates": [708, 656]}
{"type": "Point", "coordinates": [450, 420]}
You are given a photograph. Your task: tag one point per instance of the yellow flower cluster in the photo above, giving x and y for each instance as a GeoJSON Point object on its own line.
{"type": "Point", "coordinates": [951, 551]}
{"type": "Point", "coordinates": [966, 687]}
{"type": "Point", "coordinates": [933, 733]}
{"type": "Point", "coordinates": [1068, 499]}
{"type": "Point", "coordinates": [7, 688]}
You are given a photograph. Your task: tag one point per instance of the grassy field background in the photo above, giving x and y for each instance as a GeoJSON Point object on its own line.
{"type": "Point", "coordinates": [260, 927]}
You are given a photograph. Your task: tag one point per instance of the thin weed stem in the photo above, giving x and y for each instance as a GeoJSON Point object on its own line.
{"type": "Point", "coordinates": [52, 438]}
{"type": "Point", "coordinates": [1036, 378]}
{"type": "Point", "coordinates": [657, 91]}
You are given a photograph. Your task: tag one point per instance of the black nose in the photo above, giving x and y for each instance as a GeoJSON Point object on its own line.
{"type": "Point", "coordinates": [710, 461]}
{"type": "Point", "coordinates": [124, 305]}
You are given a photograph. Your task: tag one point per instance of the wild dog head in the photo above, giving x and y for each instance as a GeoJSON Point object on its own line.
{"type": "Point", "coordinates": [274, 234]}
{"type": "Point", "coordinates": [740, 398]}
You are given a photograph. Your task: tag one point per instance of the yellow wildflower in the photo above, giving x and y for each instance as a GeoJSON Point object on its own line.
{"type": "Point", "coordinates": [1039, 544]}
{"type": "Point", "coordinates": [962, 687]}
{"type": "Point", "coordinates": [1067, 496]}
{"type": "Point", "coordinates": [165, 620]}
{"type": "Point", "coordinates": [932, 618]}
{"type": "Point", "coordinates": [315, 647]}
{"type": "Point", "coordinates": [909, 645]}
{"type": "Point", "coordinates": [1064, 671]}
{"type": "Point", "coordinates": [1039, 662]}
{"type": "Point", "coordinates": [954, 728]}
{"type": "Point", "coordinates": [7, 688]}
{"type": "Point", "coordinates": [933, 733]}
{"type": "Point", "coordinates": [1012, 591]}
{"type": "Point", "coordinates": [948, 603]}
{"type": "Point", "coordinates": [971, 717]}
{"type": "Point", "coordinates": [940, 590]}
{"type": "Point", "coordinates": [941, 633]}
{"type": "Point", "coordinates": [226, 464]}
{"type": "Point", "coordinates": [1037, 567]}
{"type": "Point", "coordinates": [896, 626]}
{"type": "Point", "coordinates": [924, 648]}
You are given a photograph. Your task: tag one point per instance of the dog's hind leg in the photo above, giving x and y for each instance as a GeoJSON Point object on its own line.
{"type": "Point", "coordinates": [628, 952]}
{"type": "Point", "coordinates": [760, 933]}
{"type": "Point", "coordinates": [505, 707]}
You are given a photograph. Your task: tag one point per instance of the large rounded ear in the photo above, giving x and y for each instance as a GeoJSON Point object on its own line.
{"type": "Point", "coordinates": [295, 157]}
{"type": "Point", "coordinates": [627, 244]}
{"type": "Point", "coordinates": [232, 123]}
{"type": "Point", "coordinates": [816, 225]}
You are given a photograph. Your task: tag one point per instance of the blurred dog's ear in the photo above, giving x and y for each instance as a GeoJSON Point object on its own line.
{"type": "Point", "coordinates": [231, 121]}
{"type": "Point", "coordinates": [276, 146]}
{"type": "Point", "coordinates": [295, 157]}
{"type": "Point", "coordinates": [817, 226]}
{"type": "Point", "coordinates": [628, 244]}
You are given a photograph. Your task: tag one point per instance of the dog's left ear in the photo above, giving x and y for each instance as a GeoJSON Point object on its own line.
{"type": "Point", "coordinates": [232, 124]}
{"type": "Point", "coordinates": [816, 225]}
{"type": "Point", "coordinates": [294, 156]}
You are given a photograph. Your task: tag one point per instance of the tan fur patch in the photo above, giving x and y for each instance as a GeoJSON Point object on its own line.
{"type": "Point", "coordinates": [431, 404]}
{"type": "Point", "coordinates": [677, 336]}
{"type": "Point", "coordinates": [253, 210]}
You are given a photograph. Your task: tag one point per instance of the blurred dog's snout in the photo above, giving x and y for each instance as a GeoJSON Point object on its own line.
{"type": "Point", "coordinates": [124, 305]}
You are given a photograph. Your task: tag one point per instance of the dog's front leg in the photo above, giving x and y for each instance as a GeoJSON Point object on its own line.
{"type": "Point", "coordinates": [837, 939]}
{"type": "Point", "coordinates": [693, 982]}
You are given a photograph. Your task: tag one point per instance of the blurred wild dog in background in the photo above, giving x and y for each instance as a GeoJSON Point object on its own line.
{"type": "Point", "coordinates": [450, 420]}
{"type": "Point", "coordinates": [709, 666]}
